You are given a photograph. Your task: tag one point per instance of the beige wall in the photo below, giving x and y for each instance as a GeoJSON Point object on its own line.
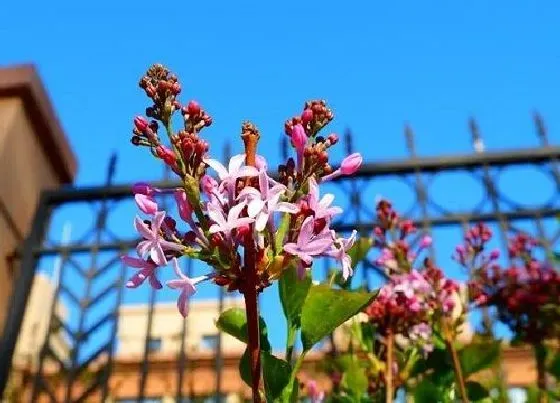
{"type": "Point", "coordinates": [168, 324]}
{"type": "Point", "coordinates": [36, 323]}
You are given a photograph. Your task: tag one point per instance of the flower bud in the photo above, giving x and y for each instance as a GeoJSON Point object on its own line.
{"type": "Point", "coordinates": [299, 138]}
{"type": "Point", "coordinates": [495, 254]}
{"type": "Point", "coordinates": [142, 188]}
{"type": "Point", "coordinates": [332, 138]}
{"type": "Point", "coordinates": [170, 223]}
{"type": "Point", "coordinates": [307, 116]}
{"type": "Point", "coordinates": [193, 108]}
{"type": "Point", "coordinates": [166, 154]}
{"type": "Point", "coordinates": [426, 242]}
{"type": "Point", "coordinates": [351, 164]}
{"type": "Point", "coordinates": [145, 203]}
{"type": "Point", "coordinates": [141, 123]}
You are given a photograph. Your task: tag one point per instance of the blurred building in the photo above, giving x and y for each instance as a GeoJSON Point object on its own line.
{"type": "Point", "coordinates": [34, 155]}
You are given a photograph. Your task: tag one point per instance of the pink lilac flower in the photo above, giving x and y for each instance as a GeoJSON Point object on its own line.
{"type": "Point", "coordinates": [299, 140]}
{"type": "Point", "coordinates": [208, 185]}
{"type": "Point", "coordinates": [147, 271]}
{"type": "Point", "coordinates": [184, 207]}
{"type": "Point", "coordinates": [227, 224]}
{"type": "Point", "coordinates": [321, 207]}
{"type": "Point", "coordinates": [187, 286]}
{"type": "Point", "coordinates": [144, 198]}
{"type": "Point", "coordinates": [309, 244]}
{"type": "Point", "coordinates": [153, 244]}
{"type": "Point", "coordinates": [314, 393]}
{"type": "Point", "coordinates": [262, 203]}
{"type": "Point", "coordinates": [349, 166]}
{"type": "Point", "coordinates": [235, 170]}
{"type": "Point", "coordinates": [340, 254]}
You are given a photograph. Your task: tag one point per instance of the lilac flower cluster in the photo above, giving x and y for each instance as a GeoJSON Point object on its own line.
{"type": "Point", "coordinates": [284, 221]}
{"type": "Point", "coordinates": [526, 294]}
{"type": "Point", "coordinates": [414, 299]}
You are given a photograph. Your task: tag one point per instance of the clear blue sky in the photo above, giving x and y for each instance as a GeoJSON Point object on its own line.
{"type": "Point", "coordinates": [378, 64]}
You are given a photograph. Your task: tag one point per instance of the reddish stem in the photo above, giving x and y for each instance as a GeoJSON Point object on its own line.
{"type": "Point", "coordinates": [252, 309]}
{"type": "Point", "coordinates": [389, 368]}
{"type": "Point", "coordinates": [250, 136]}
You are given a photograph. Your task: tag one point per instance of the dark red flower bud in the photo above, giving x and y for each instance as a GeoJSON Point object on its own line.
{"type": "Point", "coordinates": [193, 108]}
{"type": "Point", "coordinates": [140, 122]}
{"type": "Point", "coordinates": [189, 237]}
{"type": "Point", "coordinates": [333, 138]}
{"type": "Point", "coordinates": [176, 88]}
{"type": "Point", "coordinates": [170, 223]}
{"type": "Point", "coordinates": [307, 116]}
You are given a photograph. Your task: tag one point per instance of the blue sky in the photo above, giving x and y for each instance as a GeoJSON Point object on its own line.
{"type": "Point", "coordinates": [378, 64]}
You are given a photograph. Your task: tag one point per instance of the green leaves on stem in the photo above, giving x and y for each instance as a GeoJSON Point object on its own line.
{"type": "Point", "coordinates": [325, 309]}
{"type": "Point", "coordinates": [276, 372]}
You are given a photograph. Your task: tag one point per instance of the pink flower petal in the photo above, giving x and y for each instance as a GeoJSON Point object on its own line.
{"type": "Point", "coordinates": [142, 228]}
{"type": "Point", "coordinates": [145, 203]}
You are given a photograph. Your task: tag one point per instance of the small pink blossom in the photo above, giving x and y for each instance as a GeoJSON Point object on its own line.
{"type": "Point", "coordinates": [153, 244]}
{"type": "Point", "coordinates": [235, 170]}
{"type": "Point", "coordinates": [321, 207]}
{"type": "Point", "coordinates": [208, 185]}
{"type": "Point", "coordinates": [227, 224]}
{"type": "Point", "coordinates": [314, 393]}
{"type": "Point", "coordinates": [308, 244]}
{"type": "Point", "coordinates": [262, 203]}
{"type": "Point", "coordinates": [341, 255]}
{"type": "Point", "coordinates": [147, 271]}
{"type": "Point", "coordinates": [187, 286]}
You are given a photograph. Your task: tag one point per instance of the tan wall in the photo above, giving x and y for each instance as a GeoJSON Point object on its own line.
{"type": "Point", "coordinates": [34, 156]}
{"type": "Point", "coordinates": [24, 171]}
{"type": "Point", "coordinates": [167, 324]}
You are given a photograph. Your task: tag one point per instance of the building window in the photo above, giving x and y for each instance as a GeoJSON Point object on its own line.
{"type": "Point", "coordinates": [154, 344]}
{"type": "Point", "coordinates": [210, 341]}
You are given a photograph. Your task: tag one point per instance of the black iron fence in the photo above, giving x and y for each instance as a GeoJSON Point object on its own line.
{"type": "Point", "coordinates": [96, 255]}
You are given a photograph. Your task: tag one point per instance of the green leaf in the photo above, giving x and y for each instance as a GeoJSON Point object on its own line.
{"type": "Point", "coordinates": [478, 356]}
{"type": "Point", "coordinates": [427, 392]}
{"type": "Point", "coordinates": [293, 292]}
{"type": "Point", "coordinates": [325, 309]}
{"type": "Point", "coordinates": [234, 322]}
{"type": "Point", "coordinates": [355, 379]}
{"type": "Point", "coordinates": [475, 391]}
{"type": "Point", "coordinates": [281, 232]}
{"type": "Point", "coordinates": [554, 367]}
{"type": "Point", "coordinates": [359, 250]}
{"type": "Point", "coordinates": [276, 373]}
{"type": "Point", "coordinates": [245, 368]}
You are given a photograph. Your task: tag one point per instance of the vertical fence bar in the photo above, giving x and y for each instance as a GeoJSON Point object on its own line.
{"type": "Point", "coordinates": [421, 192]}
{"type": "Point", "coordinates": [45, 347]}
{"type": "Point", "coordinates": [116, 315]}
{"type": "Point", "coordinates": [490, 186]}
{"type": "Point", "coordinates": [22, 288]}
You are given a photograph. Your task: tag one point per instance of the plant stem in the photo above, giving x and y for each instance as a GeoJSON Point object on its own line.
{"type": "Point", "coordinates": [291, 341]}
{"type": "Point", "coordinates": [252, 309]}
{"type": "Point", "coordinates": [250, 137]}
{"type": "Point", "coordinates": [458, 370]}
{"type": "Point", "coordinates": [540, 357]}
{"type": "Point", "coordinates": [389, 368]}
